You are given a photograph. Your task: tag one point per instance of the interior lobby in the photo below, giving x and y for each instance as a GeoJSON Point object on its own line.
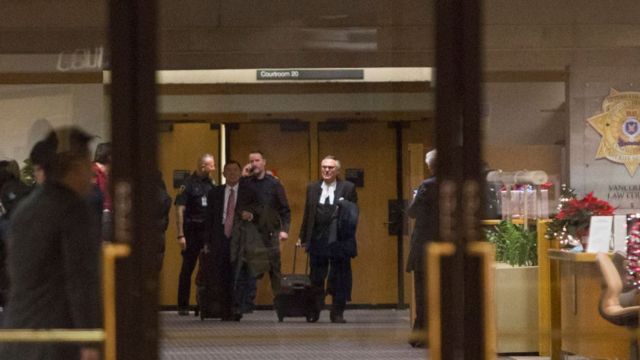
{"type": "Point", "coordinates": [505, 85]}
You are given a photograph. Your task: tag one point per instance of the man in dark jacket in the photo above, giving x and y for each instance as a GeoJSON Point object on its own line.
{"type": "Point", "coordinates": [54, 254]}
{"type": "Point", "coordinates": [328, 234]}
{"type": "Point", "coordinates": [228, 205]}
{"type": "Point", "coordinates": [273, 215]}
{"type": "Point", "coordinates": [423, 208]}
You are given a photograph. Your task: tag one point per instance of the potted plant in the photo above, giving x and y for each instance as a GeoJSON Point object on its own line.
{"type": "Point", "coordinates": [571, 224]}
{"type": "Point", "coordinates": [514, 244]}
{"type": "Point", "coordinates": [516, 287]}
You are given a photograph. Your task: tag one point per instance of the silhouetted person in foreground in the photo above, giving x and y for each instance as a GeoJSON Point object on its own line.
{"type": "Point", "coordinates": [53, 253]}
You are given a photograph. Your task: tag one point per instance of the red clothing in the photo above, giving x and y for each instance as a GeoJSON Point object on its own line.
{"type": "Point", "coordinates": [102, 180]}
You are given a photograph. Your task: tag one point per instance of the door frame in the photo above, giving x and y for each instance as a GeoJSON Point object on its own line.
{"type": "Point", "coordinates": [132, 40]}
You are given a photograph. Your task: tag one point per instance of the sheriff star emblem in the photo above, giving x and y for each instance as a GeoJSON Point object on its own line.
{"type": "Point", "coordinates": [619, 127]}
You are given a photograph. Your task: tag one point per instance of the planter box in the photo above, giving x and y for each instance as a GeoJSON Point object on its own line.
{"type": "Point", "coordinates": [516, 297]}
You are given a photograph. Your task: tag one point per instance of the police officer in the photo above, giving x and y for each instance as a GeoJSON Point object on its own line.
{"type": "Point", "coordinates": [191, 208]}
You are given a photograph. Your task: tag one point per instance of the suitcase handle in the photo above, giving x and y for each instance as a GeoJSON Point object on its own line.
{"type": "Point", "coordinates": [306, 266]}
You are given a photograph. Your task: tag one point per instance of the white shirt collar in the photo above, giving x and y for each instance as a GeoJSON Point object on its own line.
{"type": "Point", "coordinates": [328, 191]}
{"type": "Point", "coordinates": [332, 185]}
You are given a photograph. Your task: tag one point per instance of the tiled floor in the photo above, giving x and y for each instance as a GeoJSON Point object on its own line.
{"type": "Point", "coordinates": [369, 334]}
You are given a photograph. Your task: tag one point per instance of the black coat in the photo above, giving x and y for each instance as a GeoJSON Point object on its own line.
{"type": "Point", "coordinates": [225, 251]}
{"type": "Point", "coordinates": [423, 208]}
{"type": "Point", "coordinates": [53, 262]}
{"type": "Point", "coordinates": [215, 273]}
{"type": "Point", "coordinates": [344, 189]}
{"type": "Point", "coordinates": [246, 200]}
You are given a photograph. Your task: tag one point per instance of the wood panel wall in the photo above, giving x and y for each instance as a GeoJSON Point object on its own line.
{"type": "Point", "coordinates": [181, 149]}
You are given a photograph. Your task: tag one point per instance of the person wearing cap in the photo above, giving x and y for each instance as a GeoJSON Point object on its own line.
{"type": "Point", "coordinates": [191, 210]}
{"type": "Point", "coordinates": [54, 254]}
{"type": "Point", "coordinates": [423, 208]}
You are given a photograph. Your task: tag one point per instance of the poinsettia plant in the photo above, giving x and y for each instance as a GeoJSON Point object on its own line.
{"type": "Point", "coordinates": [574, 216]}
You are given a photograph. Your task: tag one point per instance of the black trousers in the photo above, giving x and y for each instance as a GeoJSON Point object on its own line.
{"type": "Point", "coordinates": [338, 270]}
{"type": "Point", "coordinates": [195, 236]}
{"type": "Point", "coordinates": [275, 273]}
{"type": "Point", "coordinates": [419, 286]}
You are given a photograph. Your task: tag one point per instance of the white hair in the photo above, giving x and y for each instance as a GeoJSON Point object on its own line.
{"type": "Point", "coordinates": [331, 157]}
{"type": "Point", "coordinates": [430, 158]}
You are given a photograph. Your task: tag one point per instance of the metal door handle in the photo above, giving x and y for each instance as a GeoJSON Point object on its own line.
{"type": "Point", "coordinates": [435, 251]}
{"type": "Point", "coordinates": [486, 252]}
{"type": "Point", "coordinates": [111, 252]}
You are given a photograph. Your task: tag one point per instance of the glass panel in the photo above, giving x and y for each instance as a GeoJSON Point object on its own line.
{"type": "Point", "coordinates": [52, 57]}
{"type": "Point", "coordinates": [300, 81]}
{"type": "Point", "coordinates": [561, 98]}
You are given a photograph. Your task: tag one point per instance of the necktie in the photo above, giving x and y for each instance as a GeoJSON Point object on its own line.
{"type": "Point", "coordinates": [327, 201]}
{"type": "Point", "coordinates": [228, 220]}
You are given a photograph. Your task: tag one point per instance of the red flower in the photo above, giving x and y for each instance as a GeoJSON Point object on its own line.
{"type": "Point", "coordinates": [546, 186]}
{"type": "Point", "coordinates": [575, 215]}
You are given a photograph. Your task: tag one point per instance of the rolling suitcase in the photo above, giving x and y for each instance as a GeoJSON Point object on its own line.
{"type": "Point", "coordinates": [298, 297]}
{"type": "Point", "coordinates": [213, 289]}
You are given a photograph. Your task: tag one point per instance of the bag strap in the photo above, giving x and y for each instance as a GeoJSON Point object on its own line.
{"type": "Point", "coordinates": [295, 253]}
{"type": "Point", "coordinates": [306, 266]}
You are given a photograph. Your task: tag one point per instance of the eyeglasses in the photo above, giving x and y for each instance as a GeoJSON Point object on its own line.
{"type": "Point", "coordinates": [328, 167]}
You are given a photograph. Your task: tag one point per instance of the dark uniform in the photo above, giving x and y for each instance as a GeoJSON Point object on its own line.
{"type": "Point", "coordinates": [193, 196]}
{"type": "Point", "coordinates": [274, 216]}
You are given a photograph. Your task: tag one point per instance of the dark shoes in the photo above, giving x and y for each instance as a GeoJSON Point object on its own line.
{"type": "Point", "coordinates": [337, 318]}
{"type": "Point", "coordinates": [183, 311]}
{"type": "Point", "coordinates": [234, 317]}
{"type": "Point", "coordinates": [336, 313]}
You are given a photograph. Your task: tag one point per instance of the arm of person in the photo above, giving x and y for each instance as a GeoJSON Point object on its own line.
{"type": "Point", "coordinates": [80, 252]}
{"type": "Point", "coordinates": [417, 204]}
{"type": "Point", "coordinates": [284, 211]}
{"type": "Point", "coordinates": [247, 207]}
{"type": "Point", "coordinates": [352, 195]}
{"type": "Point", "coordinates": [180, 226]}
